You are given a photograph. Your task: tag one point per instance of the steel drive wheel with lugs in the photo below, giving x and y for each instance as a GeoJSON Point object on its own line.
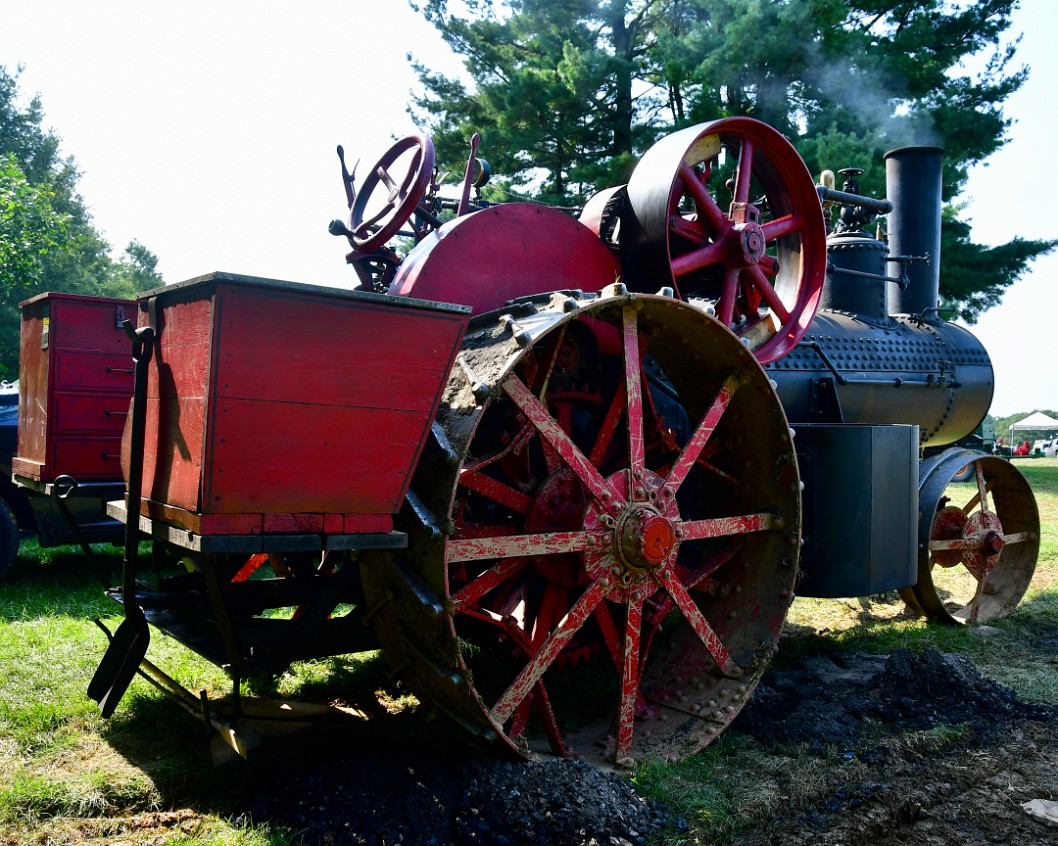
{"type": "Point", "coordinates": [603, 531]}
{"type": "Point", "coordinates": [978, 541]}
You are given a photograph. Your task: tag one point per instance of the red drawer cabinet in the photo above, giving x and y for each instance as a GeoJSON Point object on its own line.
{"type": "Point", "coordinates": [280, 407]}
{"type": "Point", "coordinates": [75, 383]}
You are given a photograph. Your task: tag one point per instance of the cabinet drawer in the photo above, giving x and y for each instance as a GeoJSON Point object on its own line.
{"type": "Point", "coordinates": [83, 370]}
{"type": "Point", "coordinates": [96, 414]}
{"type": "Point", "coordinates": [87, 459]}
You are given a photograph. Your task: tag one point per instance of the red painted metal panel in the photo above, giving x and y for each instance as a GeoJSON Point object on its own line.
{"type": "Point", "coordinates": [542, 250]}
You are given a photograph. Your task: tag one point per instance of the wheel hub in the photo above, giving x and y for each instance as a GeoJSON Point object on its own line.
{"type": "Point", "coordinates": [751, 244]}
{"type": "Point", "coordinates": [644, 538]}
{"type": "Point", "coordinates": [986, 532]}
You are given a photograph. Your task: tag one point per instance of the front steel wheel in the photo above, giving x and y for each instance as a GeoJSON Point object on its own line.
{"type": "Point", "coordinates": [604, 536]}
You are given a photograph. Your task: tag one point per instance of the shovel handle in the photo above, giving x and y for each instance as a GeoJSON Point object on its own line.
{"type": "Point", "coordinates": [142, 348]}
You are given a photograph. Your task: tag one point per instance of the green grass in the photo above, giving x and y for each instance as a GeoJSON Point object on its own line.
{"type": "Point", "coordinates": [145, 775]}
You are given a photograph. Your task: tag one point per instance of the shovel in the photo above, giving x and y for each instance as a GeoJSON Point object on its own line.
{"type": "Point", "coordinates": [129, 644]}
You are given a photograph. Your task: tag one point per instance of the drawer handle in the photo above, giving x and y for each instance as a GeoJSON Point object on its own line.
{"type": "Point", "coordinates": [111, 413]}
{"type": "Point", "coordinates": [110, 456]}
{"type": "Point", "coordinates": [118, 369]}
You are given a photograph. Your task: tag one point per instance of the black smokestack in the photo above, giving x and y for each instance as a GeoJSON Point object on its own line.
{"type": "Point", "coordinates": [913, 183]}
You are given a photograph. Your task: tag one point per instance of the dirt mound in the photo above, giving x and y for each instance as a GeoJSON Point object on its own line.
{"type": "Point", "coordinates": [832, 697]}
{"type": "Point", "coordinates": [411, 797]}
{"type": "Point", "coordinates": [391, 786]}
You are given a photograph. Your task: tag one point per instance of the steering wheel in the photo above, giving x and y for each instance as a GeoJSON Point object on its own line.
{"type": "Point", "coordinates": [729, 213]}
{"type": "Point", "coordinates": [391, 192]}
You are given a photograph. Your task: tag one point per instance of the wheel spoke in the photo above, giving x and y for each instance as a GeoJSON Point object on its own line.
{"type": "Point", "coordinates": [698, 622]}
{"type": "Point", "coordinates": [687, 459]}
{"type": "Point", "coordinates": [725, 307]}
{"type": "Point", "coordinates": [608, 427]}
{"type": "Point", "coordinates": [688, 229]}
{"type": "Point", "coordinates": [982, 486]}
{"type": "Point", "coordinates": [608, 629]}
{"type": "Point", "coordinates": [761, 283]}
{"type": "Point", "coordinates": [547, 716]}
{"type": "Point", "coordinates": [958, 544]}
{"type": "Point", "coordinates": [697, 259]}
{"type": "Point", "coordinates": [745, 171]}
{"type": "Point", "coordinates": [553, 435]}
{"type": "Point", "coordinates": [495, 490]}
{"type": "Point", "coordinates": [470, 594]}
{"type": "Point", "coordinates": [542, 543]}
{"type": "Point", "coordinates": [724, 526]}
{"type": "Point", "coordinates": [698, 575]}
{"type": "Point", "coordinates": [633, 392]}
{"type": "Point", "coordinates": [703, 200]}
{"type": "Point", "coordinates": [533, 671]}
{"type": "Point", "coordinates": [553, 605]}
{"type": "Point", "coordinates": [781, 226]}
{"type": "Point", "coordinates": [629, 677]}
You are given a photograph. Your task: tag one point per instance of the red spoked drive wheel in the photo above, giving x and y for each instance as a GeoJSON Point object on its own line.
{"type": "Point", "coordinates": [602, 551]}
{"type": "Point", "coordinates": [978, 541]}
{"type": "Point", "coordinates": [728, 212]}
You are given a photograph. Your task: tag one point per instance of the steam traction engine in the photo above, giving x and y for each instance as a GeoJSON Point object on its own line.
{"type": "Point", "coordinates": [551, 472]}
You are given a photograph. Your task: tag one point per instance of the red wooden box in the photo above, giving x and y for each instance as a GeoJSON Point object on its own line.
{"type": "Point", "coordinates": [75, 382]}
{"type": "Point", "coordinates": [280, 407]}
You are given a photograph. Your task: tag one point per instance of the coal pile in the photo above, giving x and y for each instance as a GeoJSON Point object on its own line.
{"type": "Point", "coordinates": [832, 697]}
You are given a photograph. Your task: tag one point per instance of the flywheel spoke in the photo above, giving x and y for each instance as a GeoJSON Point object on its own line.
{"type": "Point", "coordinates": [548, 652]}
{"type": "Point", "coordinates": [785, 225]}
{"type": "Point", "coordinates": [726, 304]}
{"type": "Point", "coordinates": [704, 201]}
{"type": "Point", "coordinates": [764, 286]}
{"type": "Point", "coordinates": [745, 171]}
{"type": "Point", "coordinates": [697, 259]}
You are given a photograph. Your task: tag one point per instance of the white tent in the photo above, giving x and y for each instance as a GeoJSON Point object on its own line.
{"type": "Point", "coordinates": [1035, 422]}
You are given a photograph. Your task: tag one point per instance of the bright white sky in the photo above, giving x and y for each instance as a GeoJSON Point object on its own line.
{"type": "Point", "coordinates": [206, 130]}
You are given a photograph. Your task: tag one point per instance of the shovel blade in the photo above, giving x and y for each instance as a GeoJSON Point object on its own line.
{"type": "Point", "coordinates": [121, 660]}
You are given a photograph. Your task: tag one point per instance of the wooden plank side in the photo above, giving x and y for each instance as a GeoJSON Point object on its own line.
{"type": "Point", "coordinates": [311, 458]}
{"type": "Point", "coordinates": [279, 345]}
{"type": "Point", "coordinates": [34, 364]}
{"type": "Point", "coordinates": [173, 451]}
{"type": "Point", "coordinates": [177, 404]}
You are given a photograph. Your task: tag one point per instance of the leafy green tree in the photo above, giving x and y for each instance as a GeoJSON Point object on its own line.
{"type": "Point", "coordinates": [572, 91]}
{"type": "Point", "coordinates": [47, 239]}
{"type": "Point", "coordinates": [30, 227]}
